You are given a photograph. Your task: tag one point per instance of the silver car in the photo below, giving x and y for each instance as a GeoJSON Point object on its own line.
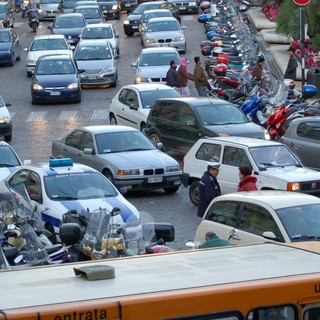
{"type": "Point", "coordinates": [164, 32]}
{"type": "Point", "coordinates": [123, 154]}
{"type": "Point", "coordinates": [48, 9]}
{"type": "Point", "coordinates": [96, 58]}
{"type": "Point", "coordinates": [153, 64]}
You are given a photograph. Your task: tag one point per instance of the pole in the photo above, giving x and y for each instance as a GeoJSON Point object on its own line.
{"type": "Point", "coordinates": [302, 39]}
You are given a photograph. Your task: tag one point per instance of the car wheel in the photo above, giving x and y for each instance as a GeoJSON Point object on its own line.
{"type": "Point", "coordinates": [19, 57]}
{"type": "Point", "coordinates": [171, 189]}
{"type": "Point", "coordinates": [8, 138]}
{"type": "Point", "coordinates": [118, 51]}
{"type": "Point", "coordinates": [113, 119]}
{"type": "Point", "coordinates": [194, 192]}
{"type": "Point", "coordinates": [29, 74]}
{"type": "Point", "coordinates": [154, 138]}
{"type": "Point", "coordinates": [142, 127]}
{"type": "Point", "coordinates": [108, 175]}
{"type": "Point", "coordinates": [78, 100]}
{"type": "Point", "coordinates": [185, 49]}
{"type": "Point", "coordinates": [129, 34]}
{"type": "Point", "coordinates": [12, 60]}
{"type": "Point", "coordinates": [33, 101]}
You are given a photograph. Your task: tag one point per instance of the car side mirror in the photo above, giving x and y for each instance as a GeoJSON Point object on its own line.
{"type": "Point", "coordinates": [8, 104]}
{"type": "Point", "coordinates": [134, 64]}
{"type": "Point", "coordinates": [49, 27]}
{"type": "Point", "coordinates": [88, 151]}
{"type": "Point", "coordinates": [81, 71]}
{"type": "Point", "coordinates": [117, 36]}
{"type": "Point", "coordinates": [159, 145]}
{"type": "Point", "coordinates": [133, 106]}
{"type": "Point", "coordinates": [25, 49]}
{"type": "Point", "coordinates": [269, 235]}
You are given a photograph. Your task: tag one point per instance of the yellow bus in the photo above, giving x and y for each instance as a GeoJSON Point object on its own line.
{"type": "Point", "coordinates": [256, 282]}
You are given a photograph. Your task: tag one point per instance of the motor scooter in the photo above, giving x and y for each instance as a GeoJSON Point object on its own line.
{"type": "Point", "coordinates": [33, 19]}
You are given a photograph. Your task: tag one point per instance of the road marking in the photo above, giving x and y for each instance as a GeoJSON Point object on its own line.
{"type": "Point", "coordinates": [12, 114]}
{"type": "Point", "coordinates": [188, 17]}
{"type": "Point", "coordinates": [100, 114]}
{"type": "Point", "coordinates": [67, 115]}
{"type": "Point", "coordinates": [36, 116]}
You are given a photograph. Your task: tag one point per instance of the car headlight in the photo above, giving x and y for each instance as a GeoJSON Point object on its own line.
{"type": "Point", "coordinates": [129, 172]}
{"type": "Point", "coordinates": [141, 79]}
{"type": "Point", "coordinates": [37, 87]}
{"type": "Point", "coordinates": [150, 41]}
{"type": "Point", "coordinates": [108, 69]}
{"type": "Point", "coordinates": [178, 39]}
{"type": "Point", "coordinates": [30, 61]}
{"type": "Point", "coordinates": [40, 10]}
{"type": "Point", "coordinates": [192, 4]}
{"type": "Point", "coordinates": [73, 86]}
{"type": "Point", "coordinates": [4, 120]}
{"type": "Point", "coordinates": [293, 186]}
{"type": "Point", "coordinates": [126, 22]}
{"type": "Point", "coordinates": [172, 168]}
{"type": "Point", "coordinates": [266, 135]}
{"type": "Point", "coordinates": [114, 7]}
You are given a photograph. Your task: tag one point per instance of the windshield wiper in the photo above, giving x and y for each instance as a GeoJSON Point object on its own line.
{"type": "Point", "coordinates": [136, 149]}
{"type": "Point", "coordinates": [65, 198]}
{"type": "Point", "coordinates": [267, 164]}
{"type": "Point", "coordinates": [299, 236]}
{"type": "Point", "coordinates": [8, 165]}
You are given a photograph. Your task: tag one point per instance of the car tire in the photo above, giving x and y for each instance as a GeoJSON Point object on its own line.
{"type": "Point", "coordinates": [171, 189]}
{"type": "Point", "coordinates": [129, 34]}
{"type": "Point", "coordinates": [78, 100]}
{"type": "Point", "coordinates": [185, 49]}
{"type": "Point", "coordinates": [8, 138]}
{"type": "Point", "coordinates": [194, 192]}
{"type": "Point", "coordinates": [143, 127]}
{"type": "Point", "coordinates": [29, 74]}
{"type": "Point", "coordinates": [34, 101]}
{"type": "Point", "coordinates": [108, 174]}
{"type": "Point", "coordinates": [113, 119]}
{"type": "Point", "coordinates": [12, 61]}
{"type": "Point", "coordinates": [154, 137]}
{"type": "Point", "coordinates": [19, 57]}
{"type": "Point", "coordinates": [118, 52]}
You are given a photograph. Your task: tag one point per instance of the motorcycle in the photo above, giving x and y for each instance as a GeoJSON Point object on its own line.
{"type": "Point", "coordinates": [33, 17]}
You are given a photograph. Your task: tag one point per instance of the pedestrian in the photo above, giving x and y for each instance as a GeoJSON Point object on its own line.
{"type": "Point", "coordinates": [257, 71]}
{"type": "Point", "coordinates": [184, 76]}
{"type": "Point", "coordinates": [200, 79]}
{"type": "Point", "coordinates": [173, 79]}
{"type": "Point", "coordinates": [212, 240]}
{"type": "Point", "coordinates": [291, 71]}
{"type": "Point", "coordinates": [247, 181]}
{"type": "Point", "coordinates": [209, 187]}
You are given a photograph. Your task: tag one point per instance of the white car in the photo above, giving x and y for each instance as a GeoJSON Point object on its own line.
{"type": "Point", "coordinates": [164, 31]}
{"type": "Point", "coordinates": [60, 185]}
{"type": "Point", "coordinates": [5, 121]}
{"type": "Point", "coordinates": [44, 45]}
{"type": "Point", "coordinates": [274, 165]}
{"type": "Point", "coordinates": [153, 64]}
{"type": "Point", "coordinates": [259, 216]}
{"type": "Point", "coordinates": [132, 103]}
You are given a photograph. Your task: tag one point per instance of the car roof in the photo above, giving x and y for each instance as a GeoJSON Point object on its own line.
{"type": "Point", "coordinates": [71, 14]}
{"type": "Point", "coordinates": [93, 42]}
{"type": "Point", "coordinates": [273, 198]}
{"type": "Point", "coordinates": [99, 25]}
{"type": "Point", "coordinates": [160, 19]}
{"type": "Point", "coordinates": [199, 101]}
{"type": "Point", "coordinates": [148, 86]}
{"type": "Point", "coordinates": [55, 57]}
{"type": "Point", "coordinates": [106, 128]}
{"type": "Point", "coordinates": [155, 10]}
{"type": "Point", "coordinates": [87, 6]}
{"type": "Point", "coordinates": [49, 36]}
{"type": "Point", "coordinates": [245, 141]}
{"type": "Point", "coordinates": [158, 49]}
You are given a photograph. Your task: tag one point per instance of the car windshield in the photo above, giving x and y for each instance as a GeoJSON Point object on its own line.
{"type": "Point", "coordinates": [93, 53]}
{"type": "Point", "coordinates": [160, 26]}
{"type": "Point", "coordinates": [69, 4]}
{"type": "Point", "coordinates": [2, 9]}
{"type": "Point", "coordinates": [97, 33]}
{"type": "Point", "coordinates": [49, 1]}
{"type": "Point", "coordinates": [4, 36]}
{"type": "Point", "coordinates": [273, 156]}
{"type": "Point", "coordinates": [148, 98]}
{"type": "Point", "coordinates": [8, 158]}
{"type": "Point", "coordinates": [89, 13]}
{"type": "Point", "coordinates": [148, 16]}
{"type": "Point", "coordinates": [67, 22]}
{"type": "Point", "coordinates": [220, 114]}
{"type": "Point", "coordinates": [157, 59]}
{"type": "Point", "coordinates": [49, 44]}
{"type": "Point", "coordinates": [301, 222]}
{"type": "Point", "coordinates": [122, 141]}
{"type": "Point", "coordinates": [74, 186]}
{"type": "Point", "coordinates": [51, 67]}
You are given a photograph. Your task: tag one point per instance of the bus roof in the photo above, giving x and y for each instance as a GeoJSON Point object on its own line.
{"type": "Point", "coordinates": [41, 286]}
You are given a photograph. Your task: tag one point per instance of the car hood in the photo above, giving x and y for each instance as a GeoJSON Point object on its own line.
{"type": "Point", "coordinates": [153, 72]}
{"type": "Point", "coordinates": [5, 45]}
{"type": "Point", "coordinates": [164, 34]}
{"type": "Point", "coordinates": [35, 55]}
{"type": "Point", "coordinates": [94, 64]}
{"type": "Point", "coordinates": [134, 17]}
{"type": "Point", "coordinates": [244, 129]}
{"type": "Point", "coordinates": [68, 31]}
{"type": "Point", "coordinates": [56, 80]}
{"type": "Point", "coordinates": [4, 172]}
{"type": "Point", "coordinates": [139, 159]}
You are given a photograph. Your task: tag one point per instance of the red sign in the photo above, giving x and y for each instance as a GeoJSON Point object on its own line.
{"type": "Point", "coordinates": [301, 2]}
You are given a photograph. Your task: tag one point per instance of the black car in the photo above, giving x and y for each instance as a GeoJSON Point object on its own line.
{"type": "Point", "coordinates": [55, 79]}
{"type": "Point", "coordinates": [131, 24]}
{"type": "Point", "coordinates": [179, 122]}
{"type": "Point", "coordinates": [110, 9]}
{"type": "Point", "coordinates": [70, 25]}
{"type": "Point", "coordinates": [186, 6]}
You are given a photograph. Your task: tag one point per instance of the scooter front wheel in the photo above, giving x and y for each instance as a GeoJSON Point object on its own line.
{"type": "Point", "coordinates": [34, 27]}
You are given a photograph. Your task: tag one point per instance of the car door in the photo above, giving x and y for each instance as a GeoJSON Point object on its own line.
{"type": "Point", "coordinates": [15, 43]}
{"type": "Point", "coordinates": [71, 146]}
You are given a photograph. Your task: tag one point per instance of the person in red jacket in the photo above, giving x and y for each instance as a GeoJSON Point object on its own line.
{"type": "Point", "coordinates": [247, 181]}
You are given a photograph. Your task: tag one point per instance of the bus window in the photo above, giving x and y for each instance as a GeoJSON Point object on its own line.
{"type": "Point", "coordinates": [235, 315]}
{"type": "Point", "coordinates": [312, 314]}
{"type": "Point", "coordinates": [273, 313]}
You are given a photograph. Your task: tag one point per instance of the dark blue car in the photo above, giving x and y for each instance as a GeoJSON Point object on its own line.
{"type": "Point", "coordinates": [10, 47]}
{"type": "Point", "coordinates": [55, 79]}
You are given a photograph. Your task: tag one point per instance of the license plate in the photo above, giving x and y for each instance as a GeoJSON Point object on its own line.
{"type": "Point", "coordinates": [92, 77]}
{"type": "Point", "coordinates": [155, 180]}
{"type": "Point", "coordinates": [182, 8]}
{"type": "Point", "coordinates": [55, 93]}
{"type": "Point", "coordinates": [127, 5]}
{"type": "Point", "coordinates": [105, 11]}
{"type": "Point", "coordinates": [135, 27]}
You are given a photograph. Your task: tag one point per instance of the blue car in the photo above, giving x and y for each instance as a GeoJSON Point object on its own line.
{"type": "Point", "coordinates": [55, 79]}
{"type": "Point", "coordinates": [10, 48]}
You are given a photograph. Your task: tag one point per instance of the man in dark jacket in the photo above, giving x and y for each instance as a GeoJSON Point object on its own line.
{"type": "Point", "coordinates": [257, 71]}
{"type": "Point", "coordinates": [173, 79]}
{"type": "Point", "coordinates": [291, 71]}
{"type": "Point", "coordinates": [209, 187]}
{"type": "Point", "coordinates": [212, 240]}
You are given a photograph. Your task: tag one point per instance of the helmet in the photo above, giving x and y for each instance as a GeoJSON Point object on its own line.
{"type": "Point", "coordinates": [205, 5]}
{"type": "Point", "coordinates": [206, 50]}
{"type": "Point", "coordinates": [309, 91]}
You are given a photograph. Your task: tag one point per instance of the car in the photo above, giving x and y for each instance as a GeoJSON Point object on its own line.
{"type": "Point", "coordinates": [44, 45]}
{"type": "Point", "coordinates": [302, 137]}
{"type": "Point", "coordinates": [179, 122]}
{"type": "Point", "coordinates": [273, 164]}
{"type": "Point", "coordinates": [101, 31]}
{"type": "Point", "coordinates": [123, 154]}
{"type": "Point", "coordinates": [96, 58]}
{"type": "Point", "coordinates": [10, 47]}
{"type": "Point", "coordinates": [149, 14]}
{"type": "Point", "coordinates": [131, 24]}
{"type": "Point", "coordinates": [48, 9]}
{"type": "Point", "coordinates": [164, 31]}
{"type": "Point", "coordinates": [132, 103]}
{"type": "Point", "coordinates": [61, 185]}
{"type": "Point", "coordinates": [55, 79]}
{"type": "Point", "coordinates": [129, 5]}
{"type": "Point", "coordinates": [262, 216]}
{"type": "Point", "coordinates": [66, 6]}
{"type": "Point", "coordinates": [70, 25]}
{"type": "Point", "coordinates": [110, 9]}
{"type": "Point", "coordinates": [84, 3]}
{"type": "Point", "coordinates": [187, 6]}
{"type": "Point", "coordinates": [6, 14]}
{"type": "Point", "coordinates": [5, 121]}
{"type": "Point", "coordinates": [153, 63]}
{"type": "Point", "coordinates": [91, 13]}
